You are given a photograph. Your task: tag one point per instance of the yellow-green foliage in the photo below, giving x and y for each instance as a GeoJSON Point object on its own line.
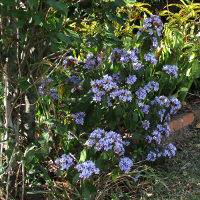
{"type": "Point", "coordinates": [188, 13]}
{"type": "Point", "coordinates": [134, 11]}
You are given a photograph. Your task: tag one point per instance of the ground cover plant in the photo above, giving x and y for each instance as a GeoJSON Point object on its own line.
{"type": "Point", "coordinates": [93, 113]}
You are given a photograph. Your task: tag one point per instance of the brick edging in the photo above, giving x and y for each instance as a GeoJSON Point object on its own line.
{"type": "Point", "coordinates": [184, 120]}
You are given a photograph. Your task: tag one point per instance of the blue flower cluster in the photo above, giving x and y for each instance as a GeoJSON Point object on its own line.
{"type": "Point", "coordinates": [166, 107]}
{"type": "Point", "coordinates": [131, 79]}
{"type": "Point", "coordinates": [108, 87]}
{"type": "Point", "coordinates": [151, 58]}
{"type": "Point", "coordinates": [171, 69]}
{"type": "Point", "coordinates": [169, 151]}
{"type": "Point", "coordinates": [74, 79]}
{"type": "Point", "coordinates": [79, 117]}
{"type": "Point", "coordinates": [174, 104]}
{"type": "Point", "coordinates": [123, 57]}
{"type": "Point", "coordinates": [141, 93]}
{"type": "Point", "coordinates": [145, 124]}
{"type": "Point", "coordinates": [45, 82]}
{"type": "Point", "coordinates": [51, 92]}
{"type": "Point", "coordinates": [66, 161]}
{"type": "Point", "coordinates": [116, 77]}
{"type": "Point", "coordinates": [123, 95]}
{"type": "Point", "coordinates": [125, 164]}
{"type": "Point", "coordinates": [151, 156]}
{"type": "Point", "coordinates": [86, 169]}
{"type": "Point", "coordinates": [152, 23]}
{"type": "Point", "coordinates": [92, 62]}
{"type": "Point", "coordinates": [104, 140]}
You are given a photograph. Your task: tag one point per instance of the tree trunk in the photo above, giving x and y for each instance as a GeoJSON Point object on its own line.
{"type": "Point", "coordinates": [28, 114]}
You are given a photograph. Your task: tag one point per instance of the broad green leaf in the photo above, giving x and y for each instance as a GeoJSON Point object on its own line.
{"type": "Point", "coordinates": [75, 178]}
{"type": "Point", "coordinates": [57, 5]}
{"type": "Point", "coordinates": [119, 2]}
{"type": "Point", "coordinates": [83, 155]}
{"type": "Point", "coordinates": [44, 138]}
{"type": "Point", "coordinates": [64, 38]}
{"type": "Point", "coordinates": [50, 121]}
{"type": "Point", "coordinates": [32, 3]}
{"type": "Point", "coordinates": [23, 83]}
{"type": "Point", "coordinates": [114, 174]}
{"type": "Point", "coordinates": [73, 35]}
{"type": "Point", "coordinates": [195, 69]}
{"type": "Point", "coordinates": [86, 192]}
{"type": "Point", "coordinates": [8, 2]}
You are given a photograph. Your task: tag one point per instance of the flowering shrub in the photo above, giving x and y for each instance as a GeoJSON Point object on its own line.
{"type": "Point", "coordinates": [114, 96]}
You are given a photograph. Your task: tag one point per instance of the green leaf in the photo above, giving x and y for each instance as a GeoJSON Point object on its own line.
{"type": "Point", "coordinates": [39, 192]}
{"type": "Point", "coordinates": [195, 69]}
{"type": "Point", "coordinates": [86, 193]}
{"type": "Point", "coordinates": [183, 89]}
{"type": "Point", "coordinates": [83, 155]}
{"type": "Point", "coordinates": [32, 3]}
{"type": "Point", "coordinates": [50, 122]}
{"type": "Point", "coordinates": [73, 35]}
{"type": "Point", "coordinates": [23, 83]}
{"type": "Point", "coordinates": [118, 111]}
{"type": "Point", "coordinates": [114, 174]}
{"type": "Point", "coordinates": [37, 20]}
{"type": "Point", "coordinates": [64, 38]}
{"type": "Point", "coordinates": [29, 154]}
{"type": "Point", "coordinates": [131, 1]}
{"type": "Point", "coordinates": [75, 178]}
{"type": "Point", "coordinates": [44, 138]}
{"type": "Point", "coordinates": [57, 5]}
{"type": "Point", "coordinates": [119, 2]}
{"type": "Point", "coordinates": [8, 2]}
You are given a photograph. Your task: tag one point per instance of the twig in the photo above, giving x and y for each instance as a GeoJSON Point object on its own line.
{"type": "Point", "coordinates": [9, 171]}
{"type": "Point", "coordinates": [23, 181]}
{"type": "Point", "coordinates": [16, 183]}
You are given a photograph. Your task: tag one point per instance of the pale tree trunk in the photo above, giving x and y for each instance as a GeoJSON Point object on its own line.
{"type": "Point", "coordinates": [28, 114]}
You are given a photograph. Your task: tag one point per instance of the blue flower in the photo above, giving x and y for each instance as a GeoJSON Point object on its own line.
{"type": "Point", "coordinates": [125, 164]}
{"type": "Point", "coordinates": [137, 177]}
{"type": "Point", "coordinates": [79, 117]}
{"type": "Point", "coordinates": [66, 161]}
{"type": "Point", "coordinates": [74, 79]}
{"type": "Point", "coordinates": [157, 136]}
{"type": "Point", "coordinates": [171, 69]}
{"type": "Point", "coordinates": [53, 93]}
{"type": "Point", "coordinates": [131, 79]}
{"type": "Point", "coordinates": [41, 90]}
{"type": "Point", "coordinates": [151, 58]}
{"type": "Point", "coordinates": [151, 156]}
{"type": "Point", "coordinates": [169, 151]}
{"type": "Point", "coordinates": [141, 94]}
{"type": "Point", "coordinates": [86, 169]}
{"type": "Point", "coordinates": [175, 105]}
{"type": "Point", "coordinates": [145, 109]}
{"type": "Point", "coordinates": [137, 66]}
{"type": "Point", "coordinates": [145, 124]}
{"type": "Point", "coordinates": [104, 140]}
{"type": "Point", "coordinates": [148, 138]}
